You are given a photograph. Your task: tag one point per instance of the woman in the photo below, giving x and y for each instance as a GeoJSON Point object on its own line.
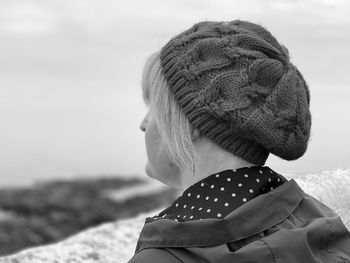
{"type": "Point", "coordinates": [222, 96]}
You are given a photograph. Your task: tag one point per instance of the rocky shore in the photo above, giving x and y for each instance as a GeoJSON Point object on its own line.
{"type": "Point", "coordinates": [51, 211]}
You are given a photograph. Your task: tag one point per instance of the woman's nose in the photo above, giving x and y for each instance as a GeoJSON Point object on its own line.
{"type": "Point", "coordinates": [143, 125]}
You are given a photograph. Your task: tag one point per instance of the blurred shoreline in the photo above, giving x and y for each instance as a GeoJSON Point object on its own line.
{"type": "Point", "coordinates": [49, 211]}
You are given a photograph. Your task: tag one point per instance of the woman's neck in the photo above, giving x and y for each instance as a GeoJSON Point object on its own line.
{"type": "Point", "coordinates": [211, 159]}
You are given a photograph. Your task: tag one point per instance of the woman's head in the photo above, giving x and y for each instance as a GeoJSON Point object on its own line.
{"type": "Point", "coordinates": [169, 135]}
{"type": "Point", "coordinates": [175, 149]}
{"type": "Point", "coordinates": [230, 82]}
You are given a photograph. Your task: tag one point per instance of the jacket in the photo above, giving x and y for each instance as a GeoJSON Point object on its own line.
{"type": "Point", "coordinates": [282, 225]}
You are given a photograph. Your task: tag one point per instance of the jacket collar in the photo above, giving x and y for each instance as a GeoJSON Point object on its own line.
{"type": "Point", "coordinates": [257, 215]}
{"type": "Point", "coordinates": [220, 193]}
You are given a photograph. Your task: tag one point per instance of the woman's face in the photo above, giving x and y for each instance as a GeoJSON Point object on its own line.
{"type": "Point", "coordinates": [159, 165]}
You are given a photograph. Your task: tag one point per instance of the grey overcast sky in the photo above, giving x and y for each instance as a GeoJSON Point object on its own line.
{"type": "Point", "coordinates": [70, 70]}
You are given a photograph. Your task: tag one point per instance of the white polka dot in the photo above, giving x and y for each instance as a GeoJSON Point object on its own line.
{"type": "Point", "coordinates": [215, 200]}
{"type": "Point", "coordinates": [226, 204]}
{"type": "Point", "coordinates": [198, 196]}
{"type": "Point", "coordinates": [219, 215]}
{"type": "Point", "coordinates": [177, 205]}
{"type": "Point", "coordinates": [260, 171]}
{"type": "Point", "coordinates": [200, 208]}
{"type": "Point", "coordinates": [271, 188]}
{"type": "Point", "coordinates": [222, 188]}
{"type": "Point", "coordinates": [278, 180]}
{"type": "Point", "coordinates": [271, 172]}
{"type": "Point", "coordinates": [257, 179]}
{"type": "Point", "coordinates": [185, 206]}
{"type": "Point", "coordinates": [202, 184]}
{"type": "Point", "coordinates": [212, 186]}
{"type": "Point", "coordinates": [245, 175]}
{"type": "Point", "coordinates": [208, 210]}
{"type": "Point", "coordinates": [228, 179]}
{"type": "Point", "coordinates": [217, 175]}
{"type": "Point", "coordinates": [269, 179]}
{"type": "Point", "coordinates": [176, 220]}
{"type": "Point", "coordinates": [233, 194]}
{"type": "Point", "coordinates": [251, 190]}
{"type": "Point", "coordinates": [240, 185]}
{"type": "Point", "coordinates": [164, 215]}
{"type": "Point", "coordinates": [189, 194]}
{"type": "Point", "coordinates": [207, 198]}
{"type": "Point", "coordinates": [178, 215]}
{"type": "Point", "coordinates": [191, 217]}
{"type": "Point", "coordinates": [184, 216]}
{"type": "Point", "coordinates": [192, 207]}
{"type": "Point", "coordinates": [244, 199]}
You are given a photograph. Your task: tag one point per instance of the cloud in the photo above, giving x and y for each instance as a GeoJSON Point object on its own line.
{"type": "Point", "coordinates": [26, 18]}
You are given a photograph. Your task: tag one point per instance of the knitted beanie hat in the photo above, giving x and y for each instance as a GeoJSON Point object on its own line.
{"type": "Point", "coordinates": [236, 85]}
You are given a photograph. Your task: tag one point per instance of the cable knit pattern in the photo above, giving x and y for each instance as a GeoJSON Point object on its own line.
{"type": "Point", "coordinates": [115, 242]}
{"type": "Point", "coordinates": [237, 86]}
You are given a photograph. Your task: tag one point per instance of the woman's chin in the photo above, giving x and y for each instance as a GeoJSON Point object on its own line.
{"type": "Point", "coordinates": [147, 170]}
{"type": "Point", "coordinates": [160, 179]}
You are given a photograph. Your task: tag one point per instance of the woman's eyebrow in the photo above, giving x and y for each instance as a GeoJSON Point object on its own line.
{"type": "Point", "coordinates": [143, 98]}
{"type": "Point", "coordinates": [145, 95]}
{"type": "Point", "coordinates": [146, 100]}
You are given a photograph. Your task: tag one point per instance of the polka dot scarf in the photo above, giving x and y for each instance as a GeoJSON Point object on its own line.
{"type": "Point", "coordinates": [219, 194]}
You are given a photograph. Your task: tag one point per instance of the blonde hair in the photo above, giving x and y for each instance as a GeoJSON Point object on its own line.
{"type": "Point", "coordinates": [174, 127]}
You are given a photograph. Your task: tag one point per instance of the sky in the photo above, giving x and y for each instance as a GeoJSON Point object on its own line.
{"type": "Point", "coordinates": [70, 73]}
